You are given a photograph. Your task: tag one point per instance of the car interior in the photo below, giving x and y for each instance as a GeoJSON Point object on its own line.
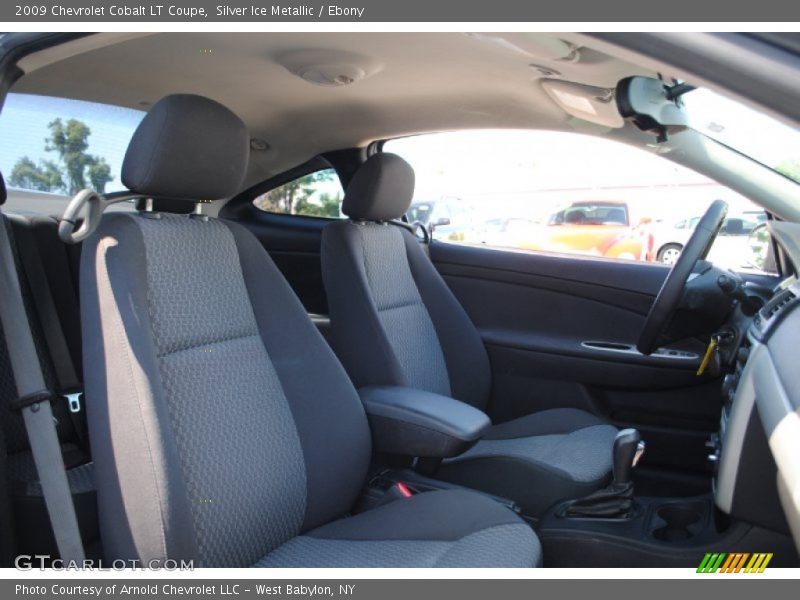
{"type": "Point", "coordinates": [245, 387]}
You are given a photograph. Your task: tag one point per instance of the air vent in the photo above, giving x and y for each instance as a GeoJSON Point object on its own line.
{"type": "Point", "coordinates": [774, 306]}
{"type": "Point", "coordinates": [773, 311]}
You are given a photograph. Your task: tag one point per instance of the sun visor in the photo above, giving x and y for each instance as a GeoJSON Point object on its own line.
{"type": "Point", "coordinates": [587, 102]}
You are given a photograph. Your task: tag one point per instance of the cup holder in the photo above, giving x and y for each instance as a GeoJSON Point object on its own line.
{"type": "Point", "coordinates": [677, 522]}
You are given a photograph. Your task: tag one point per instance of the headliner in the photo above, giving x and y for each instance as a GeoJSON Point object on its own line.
{"type": "Point", "coordinates": [417, 82]}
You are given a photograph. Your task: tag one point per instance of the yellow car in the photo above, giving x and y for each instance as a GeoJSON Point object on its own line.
{"type": "Point", "coordinates": [597, 229]}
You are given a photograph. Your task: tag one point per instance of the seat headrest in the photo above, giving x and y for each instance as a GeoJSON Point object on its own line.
{"type": "Point", "coordinates": [187, 147]}
{"type": "Point", "coordinates": [381, 189]}
{"type": "Point", "coordinates": [3, 192]}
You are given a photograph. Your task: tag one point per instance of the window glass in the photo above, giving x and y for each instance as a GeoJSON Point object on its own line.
{"type": "Point", "coordinates": [751, 132]}
{"type": "Point", "coordinates": [567, 193]}
{"type": "Point", "coordinates": [318, 194]}
{"type": "Point", "coordinates": [53, 147]}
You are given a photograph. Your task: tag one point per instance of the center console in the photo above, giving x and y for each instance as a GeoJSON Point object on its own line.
{"type": "Point", "coordinates": [743, 512]}
{"type": "Point", "coordinates": [744, 480]}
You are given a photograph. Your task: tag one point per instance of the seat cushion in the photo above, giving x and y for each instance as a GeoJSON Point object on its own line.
{"type": "Point", "coordinates": [452, 528]}
{"type": "Point", "coordinates": [539, 459]}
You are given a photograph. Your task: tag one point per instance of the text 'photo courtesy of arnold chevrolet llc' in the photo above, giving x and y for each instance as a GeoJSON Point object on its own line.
{"type": "Point", "coordinates": [343, 298]}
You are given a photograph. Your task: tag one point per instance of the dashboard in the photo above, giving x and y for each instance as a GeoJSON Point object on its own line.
{"type": "Point", "coordinates": [757, 450]}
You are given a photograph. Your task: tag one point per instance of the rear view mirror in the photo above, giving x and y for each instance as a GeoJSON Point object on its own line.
{"type": "Point", "coordinates": [733, 226]}
{"type": "Point", "coordinates": [651, 105]}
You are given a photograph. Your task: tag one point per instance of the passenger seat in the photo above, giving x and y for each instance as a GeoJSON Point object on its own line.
{"type": "Point", "coordinates": [395, 322]}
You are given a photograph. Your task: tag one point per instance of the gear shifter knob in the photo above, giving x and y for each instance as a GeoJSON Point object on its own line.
{"type": "Point", "coordinates": [628, 449]}
{"type": "Point", "coordinates": [615, 501]}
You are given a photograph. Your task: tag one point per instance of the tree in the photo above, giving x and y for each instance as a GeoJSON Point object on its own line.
{"type": "Point", "coordinates": [70, 140]}
{"type": "Point", "coordinates": [325, 206]}
{"type": "Point", "coordinates": [790, 168]}
{"type": "Point", "coordinates": [44, 177]}
{"type": "Point", "coordinates": [295, 197]}
{"type": "Point", "coordinates": [99, 173]}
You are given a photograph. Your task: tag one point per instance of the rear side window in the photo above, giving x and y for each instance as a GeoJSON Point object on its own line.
{"type": "Point", "coordinates": [50, 148]}
{"type": "Point", "coordinates": [317, 194]}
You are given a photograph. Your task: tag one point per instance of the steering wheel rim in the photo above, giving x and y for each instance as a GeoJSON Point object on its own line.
{"type": "Point", "coordinates": [669, 296]}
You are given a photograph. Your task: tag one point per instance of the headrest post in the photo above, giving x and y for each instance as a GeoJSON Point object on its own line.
{"type": "Point", "coordinates": [148, 205]}
{"type": "Point", "coordinates": [198, 208]}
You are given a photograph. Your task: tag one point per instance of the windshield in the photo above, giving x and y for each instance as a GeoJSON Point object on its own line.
{"type": "Point", "coordinates": [746, 130]}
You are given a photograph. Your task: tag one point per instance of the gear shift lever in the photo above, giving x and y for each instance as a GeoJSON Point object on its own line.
{"type": "Point", "coordinates": [615, 501]}
{"type": "Point", "coordinates": [628, 450]}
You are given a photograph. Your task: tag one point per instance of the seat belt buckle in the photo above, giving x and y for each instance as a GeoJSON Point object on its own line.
{"type": "Point", "coordinates": [73, 400]}
{"type": "Point", "coordinates": [403, 490]}
{"type": "Point", "coordinates": [397, 491]}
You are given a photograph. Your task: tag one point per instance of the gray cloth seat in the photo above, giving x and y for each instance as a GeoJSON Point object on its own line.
{"type": "Point", "coordinates": [394, 321]}
{"type": "Point", "coordinates": [222, 425]}
{"type": "Point", "coordinates": [451, 528]}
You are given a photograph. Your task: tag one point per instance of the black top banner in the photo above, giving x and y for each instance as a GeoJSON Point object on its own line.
{"type": "Point", "coordinates": [370, 11]}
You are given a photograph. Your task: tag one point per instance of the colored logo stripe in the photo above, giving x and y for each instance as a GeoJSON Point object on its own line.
{"type": "Point", "coordinates": [711, 563]}
{"type": "Point", "coordinates": [734, 563]}
{"type": "Point", "coordinates": [758, 563]}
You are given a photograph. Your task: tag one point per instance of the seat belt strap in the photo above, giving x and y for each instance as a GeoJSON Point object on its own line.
{"type": "Point", "coordinates": [424, 241]}
{"type": "Point", "coordinates": [38, 416]}
{"type": "Point", "coordinates": [69, 383]}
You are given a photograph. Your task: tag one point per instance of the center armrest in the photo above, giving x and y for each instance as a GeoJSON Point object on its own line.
{"type": "Point", "coordinates": [414, 422]}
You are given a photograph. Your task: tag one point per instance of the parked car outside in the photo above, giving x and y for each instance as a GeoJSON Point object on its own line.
{"type": "Point", "coordinates": [670, 240]}
{"type": "Point", "coordinates": [509, 232]}
{"type": "Point", "coordinates": [451, 217]}
{"type": "Point", "coordinates": [595, 228]}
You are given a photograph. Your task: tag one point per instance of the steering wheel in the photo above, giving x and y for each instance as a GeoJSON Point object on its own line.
{"type": "Point", "coordinates": [669, 296]}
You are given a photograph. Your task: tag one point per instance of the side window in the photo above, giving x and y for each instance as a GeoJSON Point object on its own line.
{"type": "Point", "coordinates": [61, 146]}
{"type": "Point", "coordinates": [567, 193]}
{"type": "Point", "coordinates": [317, 194]}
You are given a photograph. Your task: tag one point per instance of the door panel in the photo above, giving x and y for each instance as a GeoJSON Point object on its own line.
{"type": "Point", "coordinates": [535, 310]}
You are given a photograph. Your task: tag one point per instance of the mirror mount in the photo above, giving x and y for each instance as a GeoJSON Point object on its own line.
{"type": "Point", "coordinates": [652, 106]}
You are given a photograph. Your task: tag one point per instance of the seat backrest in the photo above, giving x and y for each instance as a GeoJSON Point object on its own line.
{"type": "Point", "coordinates": [394, 321]}
{"type": "Point", "coordinates": [221, 423]}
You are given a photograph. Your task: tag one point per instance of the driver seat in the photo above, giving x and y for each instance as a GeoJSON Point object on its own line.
{"type": "Point", "coordinates": [395, 322]}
